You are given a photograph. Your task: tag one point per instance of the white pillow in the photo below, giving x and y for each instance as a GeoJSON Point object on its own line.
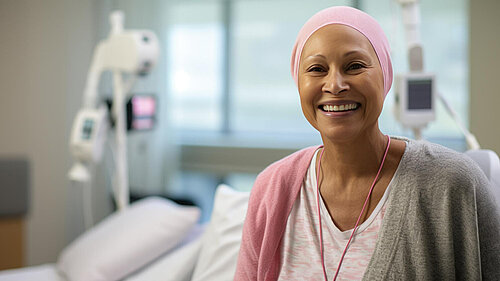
{"type": "Point", "coordinates": [177, 264]}
{"type": "Point", "coordinates": [127, 240]}
{"type": "Point", "coordinates": [222, 239]}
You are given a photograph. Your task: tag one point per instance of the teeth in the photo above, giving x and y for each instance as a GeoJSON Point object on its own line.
{"type": "Point", "coordinates": [337, 108]}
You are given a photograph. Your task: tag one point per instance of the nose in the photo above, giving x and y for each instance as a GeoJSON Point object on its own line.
{"type": "Point", "coordinates": [335, 83]}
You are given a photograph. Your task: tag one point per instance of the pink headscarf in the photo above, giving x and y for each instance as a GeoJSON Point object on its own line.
{"type": "Point", "coordinates": [356, 19]}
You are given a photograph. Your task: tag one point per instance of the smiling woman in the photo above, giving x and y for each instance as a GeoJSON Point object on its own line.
{"type": "Point", "coordinates": [348, 76]}
{"type": "Point", "coordinates": [369, 206]}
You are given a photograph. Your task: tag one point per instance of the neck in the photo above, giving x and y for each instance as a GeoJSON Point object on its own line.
{"type": "Point", "coordinates": [353, 159]}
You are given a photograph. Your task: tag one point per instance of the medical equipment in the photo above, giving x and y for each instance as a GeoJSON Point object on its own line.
{"type": "Point", "coordinates": [140, 112]}
{"type": "Point", "coordinates": [87, 140]}
{"type": "Point", "coordinates": [416, 94]}
{"type": "Point", "coordinates": [471, 140]}
{"type": "Point", "coordinates": [125, 52]}
{"type": "Point", "coordinates": [415, 91]}
{"type": "Point", "coordinates": [415, 100]}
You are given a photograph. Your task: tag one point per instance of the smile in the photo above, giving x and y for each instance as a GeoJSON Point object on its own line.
{"type": "Point", "coordinates": [339, 108]}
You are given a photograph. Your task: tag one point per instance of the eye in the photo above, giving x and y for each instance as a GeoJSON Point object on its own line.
{"type": "Point", "coordinates": [355, 66]}
{"type": "Point", "coordinates": [316, 68]}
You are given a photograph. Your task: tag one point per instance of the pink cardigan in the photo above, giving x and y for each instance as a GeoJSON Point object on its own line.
{"type": "Point", "coordinates": [271, 201]}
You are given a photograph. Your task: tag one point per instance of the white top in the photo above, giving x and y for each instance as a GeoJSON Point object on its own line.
{"type": "Point", "coordinates": [300, 252]}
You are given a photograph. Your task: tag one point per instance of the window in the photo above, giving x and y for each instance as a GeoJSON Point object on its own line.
{"type": "Point", "coordinates": [260, 97]}
{"type": "Point", "coordinates": [255, 94]}
{"type": "Point", "coordinates": [194, 62]}
{"type": "Point", "coordinates": [263, 36]}
{"type": "Point", "coordinates": [230, 91]}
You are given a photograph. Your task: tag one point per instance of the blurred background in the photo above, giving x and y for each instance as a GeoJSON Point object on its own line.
{"type": "Point", "coordinates": [227, 105]}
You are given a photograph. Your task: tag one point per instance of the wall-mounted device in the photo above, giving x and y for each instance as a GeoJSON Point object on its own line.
{"type": "Point", "coordinates": [87, 139]}
{"type": "Point", "coordinates": [415, 99]}
{"type": "Point", "coordinates": [140, 112]}
{"type": "Point", "coordinates": [89, 134]}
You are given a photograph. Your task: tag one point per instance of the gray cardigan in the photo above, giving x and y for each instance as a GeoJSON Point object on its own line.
{"type": "Point", "coordinates": [442, 222]}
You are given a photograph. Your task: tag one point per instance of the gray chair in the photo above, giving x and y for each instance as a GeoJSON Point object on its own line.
{"type": "Point", "coordinates": [489, 162]}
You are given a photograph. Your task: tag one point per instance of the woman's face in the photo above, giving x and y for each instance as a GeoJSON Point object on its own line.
{"type": "Point", "coordinates": [340, 83]}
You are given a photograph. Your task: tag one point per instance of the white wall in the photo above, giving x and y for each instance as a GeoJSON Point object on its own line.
{"type": "Point", "coordinates": [45, 49]}
{"type": "Point", "coordinates": [484, 63]}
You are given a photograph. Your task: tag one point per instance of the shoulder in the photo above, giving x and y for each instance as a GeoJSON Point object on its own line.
{"type": "Point", "coordinates": [285, 174]}
{"type": "Point", "coordinates": [290, 164]}
{"type": "Point", "coordinates": [432, 160]}
{"type": "Point", "coordinates": [433, 173]}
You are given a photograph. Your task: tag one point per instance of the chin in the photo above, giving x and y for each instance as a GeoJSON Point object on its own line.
{"type": "Point", "coordinates": [339, 135]}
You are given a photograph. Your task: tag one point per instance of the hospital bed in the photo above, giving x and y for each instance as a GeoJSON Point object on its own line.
{"type": "Point", "coordinates": [156, 239]}
{"type": "Point", "coordinates": [153, 239]}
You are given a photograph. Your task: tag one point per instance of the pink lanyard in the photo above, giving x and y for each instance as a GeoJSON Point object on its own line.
{"type": "Point", "coordinates": [359, 217]}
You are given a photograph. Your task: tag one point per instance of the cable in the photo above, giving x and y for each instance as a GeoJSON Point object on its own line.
{"type": "Point", "coordinates": [469, 137]}
{"type": "Point", "coordinates": [88, 217]}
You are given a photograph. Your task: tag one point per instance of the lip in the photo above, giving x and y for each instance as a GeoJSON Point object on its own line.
{"type": "Point", "coordinates": [338, 102]}
{"type": "Point", "coordinates": [341, 113]}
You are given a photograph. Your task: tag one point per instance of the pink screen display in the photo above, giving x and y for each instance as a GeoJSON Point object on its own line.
{"type": "Point", "coordinates": [143, 106]}
{"type": "Point", "coordinates": [143, 111]}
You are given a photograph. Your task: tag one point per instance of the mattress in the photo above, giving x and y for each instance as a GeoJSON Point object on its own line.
{"type": "Point", "coordinates": [44, 272]}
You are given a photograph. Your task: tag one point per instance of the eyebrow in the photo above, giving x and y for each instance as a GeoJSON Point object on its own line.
{"type": "Point", "coordinates": [355, 52]}
{"type": "Point", "coordinates": [349, 53]}
{"type": "Point", "coordinates": [315, 56]}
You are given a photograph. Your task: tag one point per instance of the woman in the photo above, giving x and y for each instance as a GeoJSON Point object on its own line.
{"type": "Point", "coordinates": [363, 205]}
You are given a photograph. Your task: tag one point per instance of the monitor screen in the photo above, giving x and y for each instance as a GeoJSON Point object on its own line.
{"type": "Point", "coordinates": [88, 125]}
{"type": "Point", "coordinates": [141, 112]}
{"type": "Point", "coordinates": [420, 94]}
{"type": "Point", "coordinates": [144, 106]}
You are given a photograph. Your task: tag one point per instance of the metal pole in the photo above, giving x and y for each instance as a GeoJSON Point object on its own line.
{"type": "Point", "coordinates": [226, 65]}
